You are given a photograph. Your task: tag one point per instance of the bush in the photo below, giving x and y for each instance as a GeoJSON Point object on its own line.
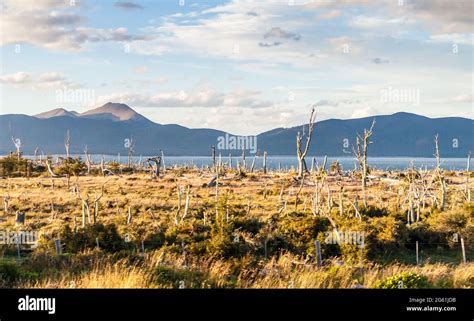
{"type": "Point", "coordinates": [385, 234]}
{"type": "Point", "coordinates": [71, 166]}
{"type": "Point", "coordinates": [11, 273]}
{"type": "Point", "coordinates": [453, 224]}
{"type": "Point", "coordinates": [223, 241]}
{"type": "Point", "coordinates": [13, 166]}
{"type": "Point", "coordinates": [107, 235]}
{"type": "Point", "coordinates": [301, 230]}
{"type": "Point", "coordinates": [404, 280]}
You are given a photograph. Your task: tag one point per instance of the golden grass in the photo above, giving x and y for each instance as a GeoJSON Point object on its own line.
{"type": "Point", "coordinates": [154, 205]}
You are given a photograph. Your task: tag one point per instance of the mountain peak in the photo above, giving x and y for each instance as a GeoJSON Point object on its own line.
{"type": "Point", "coordinates": [56, 113]}
{"type": "Point", "coordinates": [113, 111]}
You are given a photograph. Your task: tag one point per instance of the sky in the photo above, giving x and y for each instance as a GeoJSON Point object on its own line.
{"type": "Point", "coordinates": [240, 66]}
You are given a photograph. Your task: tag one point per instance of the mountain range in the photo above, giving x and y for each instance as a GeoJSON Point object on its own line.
{"type": "Point", "coordinates": [104, 130]}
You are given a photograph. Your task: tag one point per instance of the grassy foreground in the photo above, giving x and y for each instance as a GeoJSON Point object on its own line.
{"type": "Point", "coordinates": [253, 230]}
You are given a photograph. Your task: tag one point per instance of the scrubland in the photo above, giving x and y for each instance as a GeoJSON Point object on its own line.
{"type": "Point", "coordinates": [245, 229]}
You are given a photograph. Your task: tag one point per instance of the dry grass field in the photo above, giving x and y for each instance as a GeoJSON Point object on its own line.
{"type": "Point", "coordinates": [250, 230]}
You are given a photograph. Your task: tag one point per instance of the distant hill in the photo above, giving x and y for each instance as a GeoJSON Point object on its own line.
{"type": "Point", "coordinates": [115, 112]}
{"type": "Point", "coordinates": [104, 130]}
{"type": "Point", "coordinates": [400, 134]}
{"type": "Point", "coordinates": [56, 113]}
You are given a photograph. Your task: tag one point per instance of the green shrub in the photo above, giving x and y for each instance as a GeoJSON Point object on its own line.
{"type": "Point", "coordinates": [71, 166]}
{"type": "Point", "coordinates": [86, 238]}
{"type": "Point", "coordinates": [13, 166]}
{"type": "Point", "coordinates": [300, 230]}
{"type": "Point", "coordinates": [11, 273]}
{"type": "Point", "coordinates": [404, 280]}
{"type": "Point", "coordinates": [385, 234]}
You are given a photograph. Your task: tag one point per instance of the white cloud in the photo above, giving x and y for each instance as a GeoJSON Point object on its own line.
{"type": "Point", "coordinates": [268, 34]}
{"type": "Point", "coordinates": [204, 97]}
{"type": "Point", "coordinates": [20, 77]}
{"type": "Point", "coordinates": [376, 22]}
{"type": "Point", "coordinates": [47, 80]}
{"type": "Point", "coordinates": [458, 38]}
{"type": "Point", "coordinates": [364, 112]}
{"type": "Point", "coordinates": [45, 24]}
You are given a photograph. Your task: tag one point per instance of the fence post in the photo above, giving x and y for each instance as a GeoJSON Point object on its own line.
{"type": "Point", "coordinates": [417, 257]}
{"type": "Point", "coordinates": [57, 245]}
{"type": "Point", "coordinates": [318, 253]}
{"type": "Point", "coordinates": [265, 247]}
{"type": "Point", "coordinates": [463, 251]}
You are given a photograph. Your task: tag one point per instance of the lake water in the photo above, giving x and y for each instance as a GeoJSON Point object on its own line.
{"type": "Point", "coordinates": [287, 162]}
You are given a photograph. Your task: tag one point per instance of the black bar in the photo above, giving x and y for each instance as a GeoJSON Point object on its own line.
{"type": "Point", "coordinates": [248, 304]}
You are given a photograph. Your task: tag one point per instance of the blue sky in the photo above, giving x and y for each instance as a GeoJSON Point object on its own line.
{"type": "Point", "coordinates": [241, 66]}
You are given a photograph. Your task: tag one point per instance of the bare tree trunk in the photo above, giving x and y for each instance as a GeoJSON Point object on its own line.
{"type": "Point", "coordinates": [213, 154]}
{"type": "Point", "coordinates": [264, 162]}
{"type": "Point", "coordinates": [468, 189]}
{"type": "Point", "coordinates": [253, 163]}
{"type": "Point", "coordinates": [186, 205]}
{"type": "Point", "coordinates": [6, 200]}
{"type": "Point", "coordinates": [178, 210]}
{"type": "Point", "coordinates": [361, 155]}
{"type": "Point", "coordinates": [301, 153]}
{"type": "Point", "coordinates": [440, 175]}
{"type": "Point", "coordinates": [88, 160]}
{"type": "Point", "coordinates": [67, 140]}
{"type": "Point", "coordinates": [329, 199]}
{"type": "Point", "coordinates": [163, 161]}
{"type": "Point", "coordinates": [323, 168]}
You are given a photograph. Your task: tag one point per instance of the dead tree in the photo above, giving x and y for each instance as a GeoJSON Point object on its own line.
{"type": "Point", "coordinates": [157, 161]}
{"type": "Point", "coordinates": [253, 163]}
{"type": "Point", "coordinates": [17, 143]}
{"type": "Point", "coordinates": [50, 170]}
{"type": "Point", "coordinates": [297, 198]}
{"type": "Point", "coordinates": [361, 155]}
{"type": "Point", "coordinates": [329, 199]}
{"type": "Point", "coordinates": [163, 160]}
{"type": "Point", "coordinates": [178, 210]}
{"type": "Point", "coordinates": [85, 210]}
{"type": "Point", "coordinates": [316, 208]}
{"type": "Point", "coordinates": [86, 206]}
{"type": "Point", "coordinates": [264, 162]}
{"type": "Point", "coordinates": [213, 154]}
{"type": "Point", "coordinates": [88, 160]}
{"type": "Point", "coordinates": [67, 141]}
{"type": "Point", "coordinates": [6, 200]}
{"type": "Point", "coordinates": [467, 190]}
{"type": "Point", "coordinates": [96, 203]}
{"type": "Point", "coordinates": [301, 153]}
{"type": "Point", "coordinates": [129, 215]}
{"type": "Point", "coordinates": [341, 200]}
{"type": "Point", "coordinates": [130, 147]}
{"type": "Point", "coordinates": [439, 175]}
{"type": "Point", "coordinates": [36, 153]}
{"type": "Point", "coordinates": [230, 161]}
{"type": "Point", "coordinates": [323, 167]}
{"type": "Point", "coordinates": [186, 204]}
